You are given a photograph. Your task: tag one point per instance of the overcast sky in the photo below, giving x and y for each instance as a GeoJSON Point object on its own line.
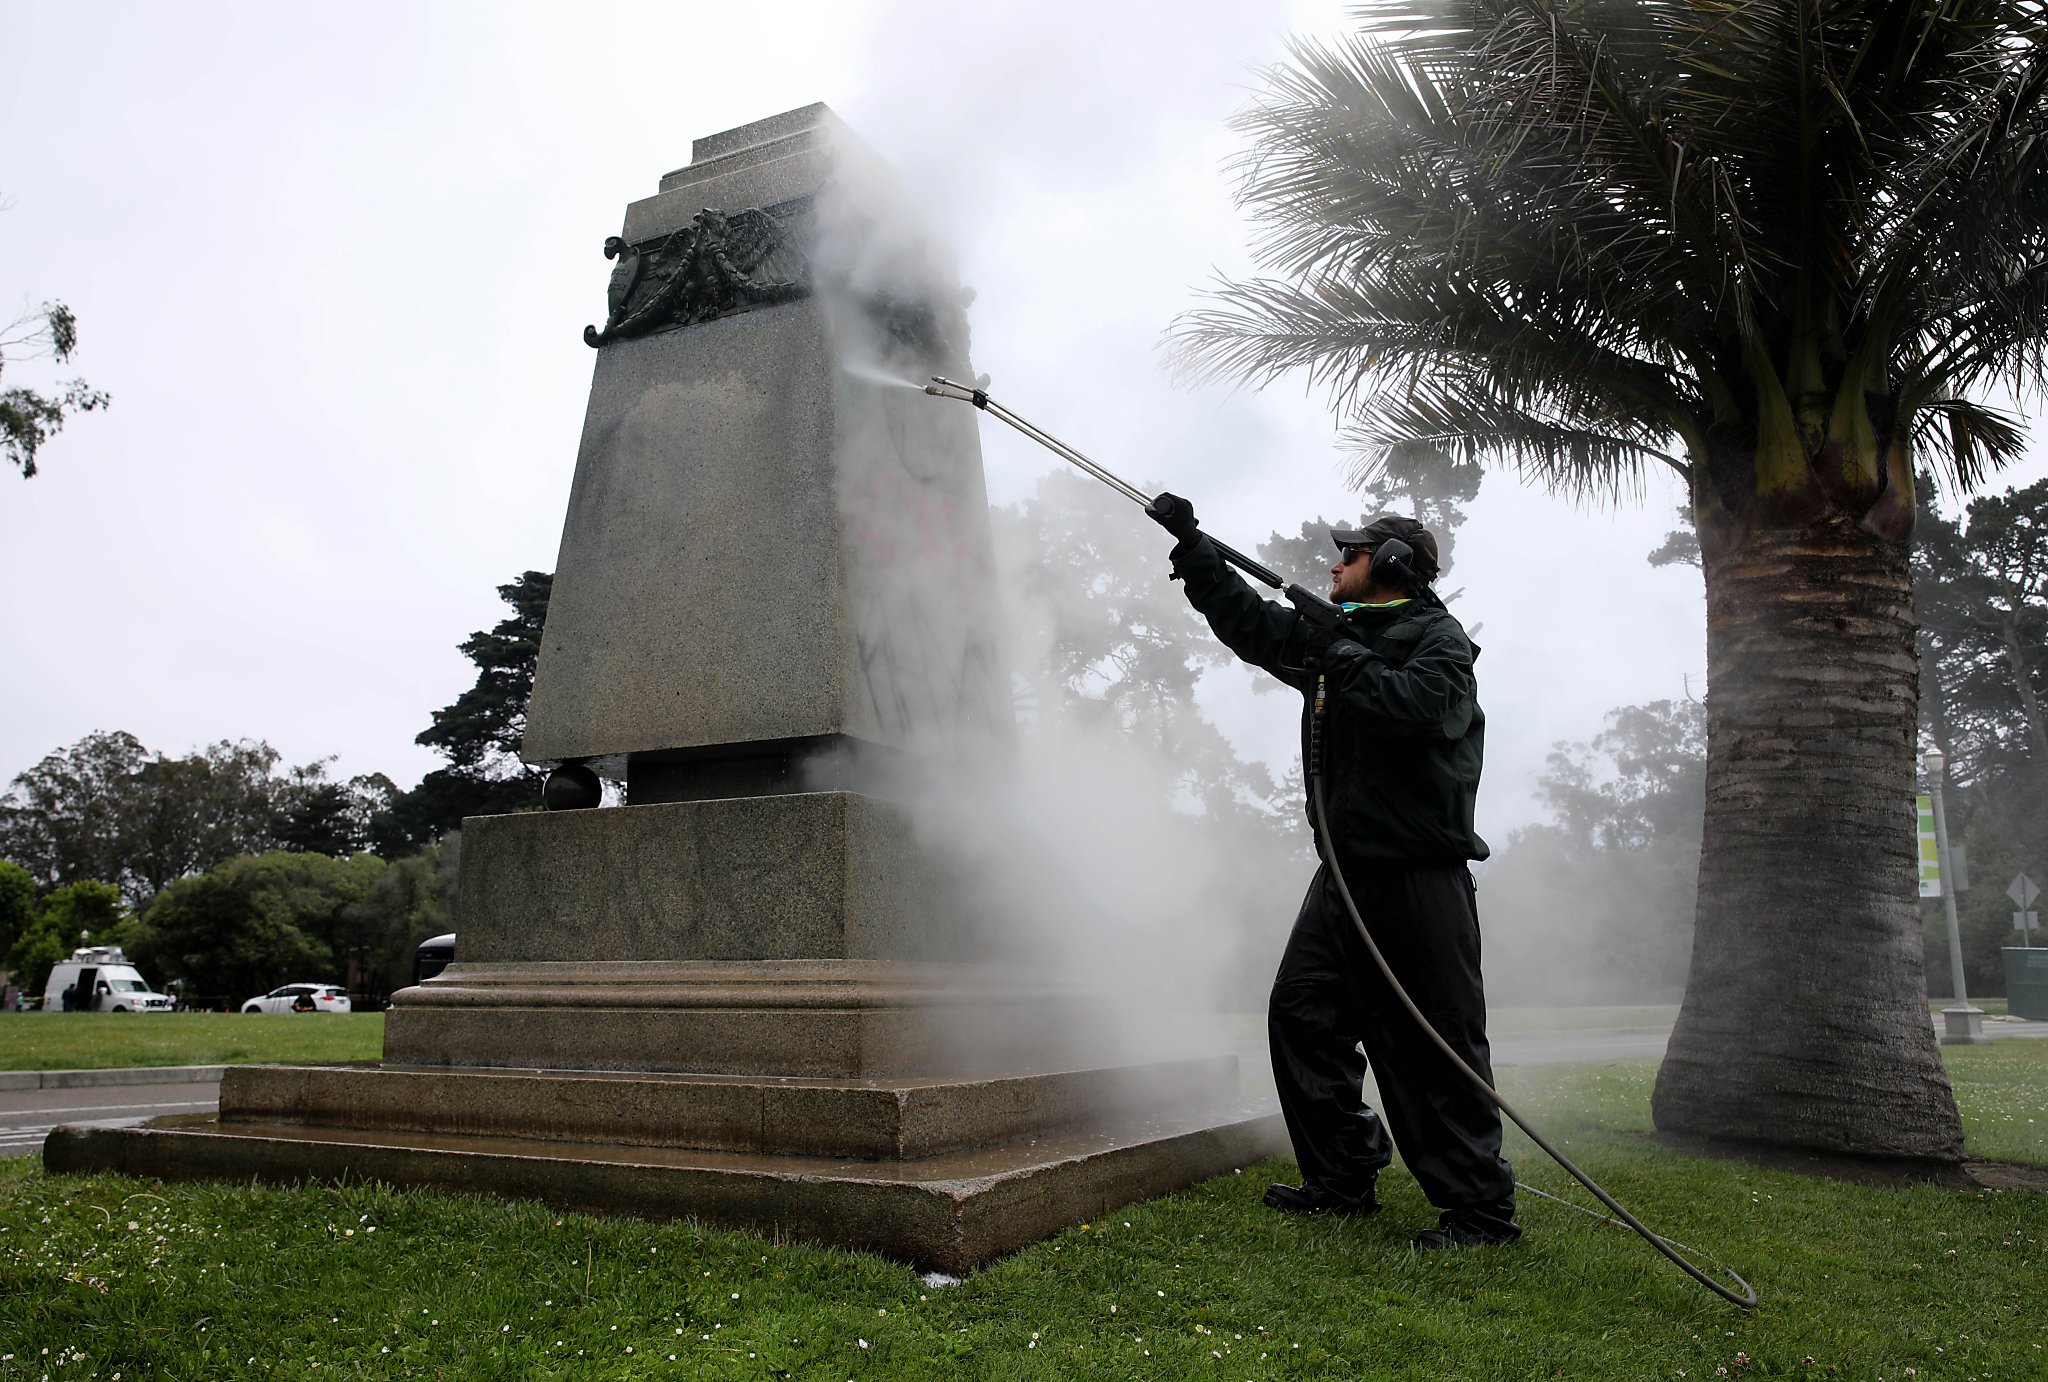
{"type": "Point", "coordinates": [333, 264]}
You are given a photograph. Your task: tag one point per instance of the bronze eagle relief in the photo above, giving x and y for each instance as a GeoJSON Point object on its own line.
{"type": "Point", "coordinates": [718, 264]}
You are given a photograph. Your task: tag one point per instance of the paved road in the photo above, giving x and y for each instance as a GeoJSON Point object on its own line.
{"type": "Point", "coordinates": [1593, 1045]}
{"type": "Point", "coordinates": [27, 1115]}
{"type": "Point", "coordinates": [1580, 1047]}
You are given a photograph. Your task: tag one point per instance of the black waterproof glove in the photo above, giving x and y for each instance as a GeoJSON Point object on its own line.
{"type": "Point", "coordinates": [1322, 646]}
{"type": "Point", "coordinates": [1174, 514]}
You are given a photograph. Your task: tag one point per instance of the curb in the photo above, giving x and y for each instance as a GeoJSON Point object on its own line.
{"type": "Point", "coordinates": [87, 1079]}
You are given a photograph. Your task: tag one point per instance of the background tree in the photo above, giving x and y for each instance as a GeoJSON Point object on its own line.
{"type": "Point", "coordinates": [1653, 788]}
{"type": "Point", "coordinates": [65, 818]}
{"type": "Point", "coordinates": [61, 922]}
{"type": "Point", "coordinates": [106, 808]}
{"type": "Point", "coordinates": [28, 418]}
{"type": "Point", "coordinates": [313, 813]}
{"type": "Point", "coordinates": [1108, 639]}
{"type": "Point", "coordinates": [1107, 650]}
{"type": "Point", "coordinates": [1107, 659]}
{"type": "Point", "coordinates": [182, 816]}
{"type": "Point", "coordinates": [1982, 587]}
{"type": "Point", "coordinates": [1106, 634]}
{"type": "Point", "coordinates": [1419, 482]}
{"type": "Point", "coordinates": [1775, 246]}
{"type": "Point", "coordinates": [1596, 905]}
{"type": "Point", "coordinates": [17, 909]}
{"type": "Point", "coordinates": [411, 901]}
{"type": "Point", "coordinates": [258, 921]}
{"type": "Point", "coordinates": [1681, 546]}
{"type": "Point", "coordinates": [480, 733]}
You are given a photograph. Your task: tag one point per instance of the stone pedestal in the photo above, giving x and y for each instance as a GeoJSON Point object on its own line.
{"type": "Point", "coordinates": [756, 995]}
{"type": "Point", "coordinates": [1963, 1026]}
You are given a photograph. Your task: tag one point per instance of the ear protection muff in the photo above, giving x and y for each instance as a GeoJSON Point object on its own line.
{"type": "Point", "coordinates": [1392, 564]}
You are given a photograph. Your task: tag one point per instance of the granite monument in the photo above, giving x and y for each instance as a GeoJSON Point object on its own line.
{"type": "Point", "coordinates": [758, 993]}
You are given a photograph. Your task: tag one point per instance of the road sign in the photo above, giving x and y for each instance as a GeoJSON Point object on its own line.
{"type": "Point", "coordinates": [2023, 891]}
{"type": "Point", "coordinates": [2025, 921]}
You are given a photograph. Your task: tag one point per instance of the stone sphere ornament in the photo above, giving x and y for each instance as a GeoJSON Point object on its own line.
{"type": "Point", "coordinates": [572, 787]}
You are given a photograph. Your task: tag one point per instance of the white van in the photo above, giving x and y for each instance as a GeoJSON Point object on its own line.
{"type": "Point", "coordinates": [101, 981]}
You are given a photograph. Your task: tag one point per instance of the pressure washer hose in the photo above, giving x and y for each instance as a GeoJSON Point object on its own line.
{"type": "Point", "coordinates": [1746, 1299]}
{"type": "Point", "coordinates": [977, 394]}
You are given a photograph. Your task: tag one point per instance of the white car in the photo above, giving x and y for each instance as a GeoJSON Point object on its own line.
{"type": "Point", "coordinates": [301, 998]}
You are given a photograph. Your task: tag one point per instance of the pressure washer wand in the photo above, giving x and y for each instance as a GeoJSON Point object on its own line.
{"type": "Point", "coordinates": [1307, 601]}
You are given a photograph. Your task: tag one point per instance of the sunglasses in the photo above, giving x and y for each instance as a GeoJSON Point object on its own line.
{"type": "Point", "coordinates": [1352, 554]}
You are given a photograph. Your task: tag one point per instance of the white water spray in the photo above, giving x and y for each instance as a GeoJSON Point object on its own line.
{"type": "Point", "coordinates": [875, 376]}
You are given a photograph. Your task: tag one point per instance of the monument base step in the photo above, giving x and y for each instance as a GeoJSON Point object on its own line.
{"type": "Point", "coordinates": [901, 1118]}
{"type": "Point", "coordinates": [950, 1212]}
{"type": "Point", "coordinates": [821, 1018]}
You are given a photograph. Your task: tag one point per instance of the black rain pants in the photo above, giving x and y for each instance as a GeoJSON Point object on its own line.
{"type": "Point", "coordinates": [1329, 997]}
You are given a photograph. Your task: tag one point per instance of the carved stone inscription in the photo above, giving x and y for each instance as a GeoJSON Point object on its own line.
{"type": "Point", "coordinates": [719, 264]}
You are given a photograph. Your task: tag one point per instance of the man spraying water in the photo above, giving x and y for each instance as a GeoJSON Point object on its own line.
{"type": "Point", "coordinates": [1400, 751]}
{"type": "Point", "coordinates": [1408, 737]}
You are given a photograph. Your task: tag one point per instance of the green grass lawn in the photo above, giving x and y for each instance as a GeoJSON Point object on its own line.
{"type": "Point", "coordinates": [101, 1041]}
{"type": "Point", "coordinates": [1251, 1026]}
{"type": "Point", "coordinates": [114, 1276]}
{"type": "Point", "coordinates": [108, 1041]}
{"type": "Point", "coordinates": [2002, 1090]}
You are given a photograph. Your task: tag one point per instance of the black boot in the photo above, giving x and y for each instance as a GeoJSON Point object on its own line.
{"type": "Point", "coordinates": [1477, 1227]}
{"type": "Point", "coordinates": [1311, 1198]}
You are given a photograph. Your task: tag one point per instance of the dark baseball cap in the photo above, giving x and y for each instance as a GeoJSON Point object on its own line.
{"type": "Point", "coordinates": [1393, 525]}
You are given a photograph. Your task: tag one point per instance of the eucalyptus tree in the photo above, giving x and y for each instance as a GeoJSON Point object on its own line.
{"type": "Point", "coordinates": [1780, 247]}
{"type": "Point", "coordinates": [108, 809]}
{"type": "Point", "coordinates": [29, 417]}
{"type": "Point", "coordinates": [1983, 591]}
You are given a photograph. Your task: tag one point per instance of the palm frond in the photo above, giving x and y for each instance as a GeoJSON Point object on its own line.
{"type": "Point", "coordinates": [1993, 335]}
{"type": "Point", "coordinates": [1566, 231]}
{"type": "Point", "coordinates": [1347, 335]}
{"type": "Point", "coordinates": [1974, 440]}
{"type": "Point", "coordinates": [1956, 227]}
{"type": "Point", "coordinates": [1540, 445]}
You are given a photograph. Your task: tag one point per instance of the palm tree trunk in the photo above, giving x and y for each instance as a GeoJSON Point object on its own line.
{"type": "Point", "coordinates": [1805, 1019]}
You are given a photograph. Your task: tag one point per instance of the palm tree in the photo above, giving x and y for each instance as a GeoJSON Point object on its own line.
{"type": "Point", "coordinates": [1773, 245]}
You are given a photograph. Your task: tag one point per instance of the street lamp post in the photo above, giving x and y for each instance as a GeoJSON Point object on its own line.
{"type": "Point", "coordinates": [1964, 1022]}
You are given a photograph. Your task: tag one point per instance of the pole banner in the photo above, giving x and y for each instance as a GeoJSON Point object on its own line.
{"type": "Point", "coordinates": [1930, 856]}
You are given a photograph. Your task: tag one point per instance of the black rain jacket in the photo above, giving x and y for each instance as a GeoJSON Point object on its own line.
{"type": "Point", "coordinates": [1404, 734]}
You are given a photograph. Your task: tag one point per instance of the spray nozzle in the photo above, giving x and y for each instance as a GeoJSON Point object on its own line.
{"type": "Point", "coordinates": [975, 393]}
